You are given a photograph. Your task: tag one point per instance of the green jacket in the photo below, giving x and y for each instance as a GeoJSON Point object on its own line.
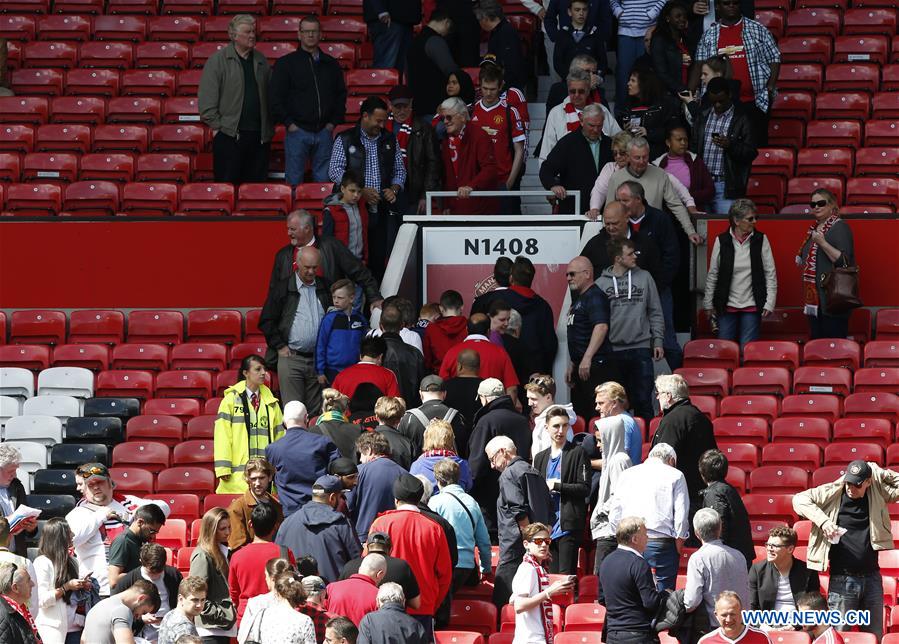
{"type": "Point", "coordinates": [234, 443]}
{"type": "Point", "coordinates": [220, 96]}
{"type": "Point", "coordinates": [821, 505]}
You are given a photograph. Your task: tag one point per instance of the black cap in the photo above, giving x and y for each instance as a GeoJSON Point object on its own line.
{"type": "Point", "coordinates": [379, 539]}
{"type": "Point", "coordinates": [857, 472]}
{"type": "Point", "coordinates": [432, 383]}
{"type": "Point", "coordinates": [408, 489]}
{"type": "Point", "coordinates": [400, 94]}
{"type": "Point", "coordinates": [343, 467]}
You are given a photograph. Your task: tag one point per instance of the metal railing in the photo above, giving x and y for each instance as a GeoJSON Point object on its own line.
{"type": "Point", "coordinates": [429, 196]}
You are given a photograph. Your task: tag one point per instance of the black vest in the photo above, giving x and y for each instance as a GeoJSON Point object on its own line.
{"type": "Point", "coordinates": [726, 271]}
{"type": "Point", "coordinates": [354, 152]}
{"type": "Point", "coordinates": [427, 81]}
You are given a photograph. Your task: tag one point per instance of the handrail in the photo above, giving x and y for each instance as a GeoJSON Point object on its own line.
{"type": "Point", "coordinates": [501, 193]}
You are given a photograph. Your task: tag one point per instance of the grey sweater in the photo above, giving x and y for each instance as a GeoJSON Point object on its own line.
{"type": "Point", "coordinates": [636, 312]}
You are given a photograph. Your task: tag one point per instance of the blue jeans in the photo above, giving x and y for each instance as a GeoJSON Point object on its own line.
{"type": "Point", "coordinates": [749, 325]}
{"type": "Point", "coordinates": [828, 326]}
{"type": "Point", "coordinates": [297, 148]}
{"type": "Point", "coordinates": [637, 376]}
{"type": "Point", "coordinates": [391, 44]}
{"type": "Point", "coordinates": [721, 205]}
{"type": "Point", "coordinates": [674, 354]}
{"type": "Point", "coordinates": [663, 558]}
{"type": "Point", "coordinates": [630, 48]}
{"type": "Point", "coordinates": [864, 592]}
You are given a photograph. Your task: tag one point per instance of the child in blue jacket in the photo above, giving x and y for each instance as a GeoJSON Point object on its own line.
{"type": "Point", "coordinates": [339, 335]}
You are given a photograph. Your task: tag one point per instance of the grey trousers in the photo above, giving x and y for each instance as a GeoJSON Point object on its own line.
{"type": "Point", "coordinates": [296, 376]}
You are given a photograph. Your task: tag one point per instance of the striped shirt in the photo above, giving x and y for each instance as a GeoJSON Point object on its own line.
{"type": "Point", "coordinates": [712, 154]}
{"type": "Point", "coordinates": [304, 330]}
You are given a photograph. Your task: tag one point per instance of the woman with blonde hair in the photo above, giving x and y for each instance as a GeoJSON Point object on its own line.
{"type": "Point", "coordinates": [334, 423]}
{"type": "Point", "coordinates": [440, 443]}
{"type": "Point", "coordinates": [258, 475]}
{"type": "Point", "coordinates": [209, 561]}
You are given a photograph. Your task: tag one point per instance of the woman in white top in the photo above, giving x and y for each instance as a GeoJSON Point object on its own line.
{"type": "Point", "coordinates": [279, 622]}
{"type": "Point", "coordinates": [531, 590]}
{"type": "Point", "coordinates": [59, 583]}
{"type": "Point", "coordinates": [255, 605]}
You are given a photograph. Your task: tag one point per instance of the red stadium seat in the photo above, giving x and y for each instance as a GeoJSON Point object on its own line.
{"type": "Point", "coordinates": [762, 406]}
{"type": "Point", "coordinates": [59, 55]}
{"type": "Point", "coordinates": [779, 161]}
{"type": "Point", "coordinates": [87, 356]}
{"type": "Point", "coordinates": [201, 51]}
{"type": "Point", "coordinates": [814, 22]}
{"type": "Point", "coordinates": [342, 29]}
{"type": "Point", "coordinates": [182, 506]}
{"type": "Point", "coordinates": [774, 507]}
{"type": "Point", "coordinates": [164, 327]}
{"type": "Point", "coordinates": [227, 378]}
{"type": "Point", "coordinates": [177, 138]}
{"type": "Point", "coordinates": [214, 325]}
{"type": "Point", "coordinates": [861, 48]}
{"type": "Point", "coordinates": [827, 474]}
{"type": "Point", "coordinates": [854, 430]}
{"type": "Point", "coordinates": [297, 7]}
{"type": "Point", "coordinates": [17, 138]}
{"type": "Point", "coordinates": [885, 379]}
{"type": "Point", "coordinates": [473, 615]}
{"type": "Point", "coordinates": [218, 501]}
{"type": "Point", "coordinates": [458, 637]}
{"type": "Point", "coordinates": [742, 429]}
{"type": "Point", "coordinates": [892, 455]}
{"type": "Point", "coordinates": [584, 617]}
{"type": "Point", "coordinates": [93, 82]}
{"type": "Point", "coordinates": [37, 326]}
{"type": "Point", "coordinates": [761, 380]}
{"type": "Point", "coordinates": [96, 326]}
{"type": "Point", "coordinates": [195, 355]}
{"type": "Point", "coordinates": [886, 326]}
{"type": "Point", "coordinates": [43, 82]}
{"type": "Point", "coordinates": [843, 105]}
{"type": "Point", "coordinates": [244, 349]}
{"type": "Point", "coordinates": [120, 138]}
{"type": "Point", "coordinates": [795, 103]}
{"type": "Point", "coordinates": [799, 188]}
{"type": "Point", "coordinates": [873, 191]}
{"type": "Point", "coordinates": [881, 353]}
{"type": "Point", "coordinates": [174, 28]}
{"type": "Point", "coordinates": [184, 384]}
{"type": "Point", "coordinates": [11, 167]}
{"type": "Point", "coordinates": [801, 430]}
{"type": "Point", "coordinates": [869, 21]}
{"type": "Point", "coordinates": [889, 565]}
{"type": "Point", "coordinates": [142, 453]}
{"type": "Point", "coordinates": [49, 166]}
{"type": "Point", "coordinates": [148, 357]}
{"type": "Point", "coordinates": [132, 480]}
{"type": "Point", "coordinates": [33, 199]}
{"type": "Point", "coordinates": [91, 198]}
{"type": "Point", "coordinates": [825, 406]}
{"type": "Point", "coordinates": [26, 356]}
{"type": "Point", "coordinates": [274, 50]}
{"type": "Point", "coordinates": [24, 109]}
{"type": "Point", "coordinates": [162, 429]}
{"type": "Point", "coordinates": [149, 199]}
{"type": "Point", "coordinates": [180, 110]}
{"type": "Point", "coordinates": [263, 199]}
{"type": "Point", "coordinates": [119, 28]}
{"type": "Point", "coordinates": [200, 427]}
{"type": "Point", "coordinates": [163, 167]}
{"type": "Point", "coordinates": [796, 76]}
{"type": "Point", "coordinates": [889, 81]}
{"type": "Point", "coordinates": [107, 55]}
{"type": "Point", "coordinates": [742, 455]}
{"type": "Point", "coordinates": [188, 82]}
{"type": "Point", "coordinates": [125, 384]}
{"type": "Point", "coordinates": [148, 82]}
{"type": "Point", "coordinates": [207, 199]}
{"type": "Point", "coordinates": [722, 354]}
{"type": "Point", "coordinates": [773, 479]}
{"type": "Point", "coordinates": [851, 76]}
{"type": "Point", "coordinates": [173, 534]}
{"type": "Point", "coordinates": [821, 162]}
{"type": "Point", "coordinates": [789, 637]}
{"type": "Point", "coordinates": [280, 27]}
{"type": "Point", "coordinates": [310, 196]}
{"type": "Point", "coordinates": [134, 109]}
{"type": "Point", "coordinates": [709, 380]}
{"type": "Point", "coordinates": [57, 138]}
{"type": "Point", "coordinates": [183, 408]}
{"type": "Point", "coordinates": [193, 452]}
{"type": "Point", "coordinates": [195, 480]}
{"type": "Point", "coordinates": [767, 190]}
{"type": "Point", "coordinates": [787, 131]}
{"type": "Point", "coordinates": [874, 405]}
{"type": "Point", "coordinates": [166, 55]}
{"type": "Point", "coordinates": [803, 455]}
{"type": "Point", "coordinates": [365, 82]}
{"type": "Point", "coordinates": [822, 380]}
{"type": "Point", "coordinates": [827, 133]}
{"type": "Point", "coordinates": [187, 7]}
{"type": "Point", "coordinates": [845, 453]}
{"type": "Point", "coordinates": [14, 27]}
{"type": "Point", "coordinates": [345, 53]}
{"type": "Point", "coordinates": [881, 162]}
{"type": "Point", "coordinates": [806, 49]}
{"type": "Point", "coordinates": [252, 332]}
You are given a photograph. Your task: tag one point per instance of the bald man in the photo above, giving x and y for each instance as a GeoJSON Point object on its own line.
{"type": "Point", "coordinates": [290, 319]}
{"type": "Point", "coordinates": [615, 225]}
{"type": "Point", "coordinates": [588, 345]}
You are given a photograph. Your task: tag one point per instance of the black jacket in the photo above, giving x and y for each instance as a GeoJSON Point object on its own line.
{"type": "Point", "coordinates": [648, 256]}
{"type": "Point", "coordinates": [592, 43]}
{"type": "Point", "coordinates": [337, 262]}
{"type": "Point", "coordinates": [400, 446]}
{"type": "Point", "coordinates": [343, 435]}
{"type": "Point", "coordinates": [355, 153]}
{"type": "Point", "coordinates": [16, 492]}
{"type": "Point", "coordinates": [411, 427]}
{"type": "Point", "coordinates": [171, 578]}
{"type": "Point", "coordinates": [505, 44]}
{"type": "Point", "coordinates": [659, 227]}
{"type": "Point", "coordinates": [738, 157]}
{"type": "Point", "coordinates": [423, 161]}
{"type": "Point", "coordinates": [496, 418]}
{"type": "Point", "coordinates": [570, 164]}
{"type": "Point", "coordinates": [763, 583]}
{"type": "Point", "coordinates": [279, 310]}
{"type": "Point", "coordinates": [306, 92]}
{"type": "Point", "coordinates": [666, 112]}
{"type": "Point", "coordinates": [407, 12]}
{"type": "Point", "coordinates": [735, 531]}
{"type": "Point", "coordinates": [575, 485]}
{"type": "Point", "coordinates": [667, 60]}
{"type": "Point", "coordinates": [538, 328]}
{"type": "Point", "coordinates": [427, 79]}
{"type": "Point", "coordinates": [13, 627]}
{"type": "Point", "coordinates": [391, 625]}
{"type": "Point", "coordinates": [407, 363]}
{"type": "Point", "coordinates": [689, 432]}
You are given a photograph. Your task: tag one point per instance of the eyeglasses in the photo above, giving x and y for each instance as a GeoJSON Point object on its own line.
{"type": "Point", "coordinates": [573, 273]}
{"type": "Point", "coordinates": [818, 204]}
{"type": "Point", "coordinates": [542, 541]}
{"type": "Point", "coordinates": [775, 546]}
{"type": "Point", "coordinates": [577, 92]}
{"type": "Point", "coordinates": [449, 117]}
{"type": "Point", "coordinates": [751, 219]}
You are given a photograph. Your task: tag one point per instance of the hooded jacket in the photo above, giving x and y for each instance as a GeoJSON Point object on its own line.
{"type": "Point", "coordinates": [440, 336]}
{"type": "Point", "coordinates": [538, 328]}
{"type": "Point", "coordinates": [539, 438]}
{"type": "Point", "coordinates": [317, 529]}
{"type": "Point", "coordinates": [636, 311]}
{"type": "Point", "coordinates": [339, 338]}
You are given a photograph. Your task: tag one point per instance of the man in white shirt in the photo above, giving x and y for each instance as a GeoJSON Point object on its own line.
{"type": "Point", "coordinates": [656, 491]}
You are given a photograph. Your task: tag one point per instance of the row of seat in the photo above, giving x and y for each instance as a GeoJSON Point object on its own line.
{"type": "Point", "coordinates": [827, 20]}
{"type": "Point", "coordinates": [774, 191]}
{"type": "Point", "coordinates": [824, 161]}
{"type": "Point", "coordinates": [780, 381]}
{"type": "Point", "coordinates": [826, 352]}
{"type": "Point", "coordinates": [847, 104]}
{"type": "Point", "coordinates": [839, 76]}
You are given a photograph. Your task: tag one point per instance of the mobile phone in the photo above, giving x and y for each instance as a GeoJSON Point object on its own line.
{"type": "Point", "coordinates": [88, 575]}
{"type": "Point", "coordinates": [686, 92]}
{"type": "Point", "coordinates": [717, 134]}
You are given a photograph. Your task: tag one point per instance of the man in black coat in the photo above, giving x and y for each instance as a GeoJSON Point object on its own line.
{"type": "Point", "coordinates": [431, 61]}
{"type": "Point", "coordinates": [421, 151]}
{"type": "Point", "coordinates": [686, 429]}
{"type": "Point", "coordinates": [415, 421]}
{"type": "Point", "coordinates": [779, 562]}
{"type": "Point", "coordinates": [504, 43]}
{"type": "Point", "coordinates": [615, 225]}
{"type": "Point", "coordinates": [725, 499]}
{"type": "Point", "coordinates": [309, 116]}
{"type": "Point", "coordinates": [404, 360]}
{"type": "Point", "coordinates": [575, 161]}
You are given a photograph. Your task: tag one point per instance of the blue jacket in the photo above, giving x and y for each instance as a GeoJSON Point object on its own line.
{"type": "Point", "coordinates": [339, 337]}
{"type": "Point", "coordinates": [318, 530]}
{"type": "Point", "coordinates": [373, 493]}
{"type": "Point", "coordinates": [470, 528]}
{"type": "Point", "coordinates": [299, 457]}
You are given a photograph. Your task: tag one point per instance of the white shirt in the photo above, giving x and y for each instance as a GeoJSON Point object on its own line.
{"type": "Point", "coordinates": [784, 599]}
{"type": "Point", "coordinates": [540, 437]}
{"type": "Point", "coordinates": [528, 624]}
{"type": "Point", "coordinates": [657, 493]}
{"type": "Point", "coordinates": [556, 127]}
{"type": "Point", "coordinates": [151, 631]}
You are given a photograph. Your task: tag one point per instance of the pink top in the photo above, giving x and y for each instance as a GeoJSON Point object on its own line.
{"type": "Point", "coordinates": [678, 168]}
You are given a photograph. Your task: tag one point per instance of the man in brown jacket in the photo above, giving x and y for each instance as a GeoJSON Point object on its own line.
{"type": "Point", "coordinates": [233, 102]}
{"type": "Point", "coordinates": [258, 474]}
{"type": "Point", "coordinates": [851, 524]}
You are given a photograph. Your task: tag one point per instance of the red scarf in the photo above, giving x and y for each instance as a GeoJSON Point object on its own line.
{"type": "Point", "coordinates": [402, 131]}
{"type": "Point", "coordinates": [445, 453]}
{"type": "Point", "coordinates": [810, 271]}
{"type": "Point", "coordinates": [572, 120]}
{"type": "Point", "coordinates": [546, 607]}
{"type": "Point", "coordinates": [23, 611]}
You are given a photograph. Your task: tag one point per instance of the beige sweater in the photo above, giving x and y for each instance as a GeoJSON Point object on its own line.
{"type": "Point", "coordinates": [659, 191]}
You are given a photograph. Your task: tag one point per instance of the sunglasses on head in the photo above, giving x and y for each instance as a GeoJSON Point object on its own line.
{"type": "Point", "coordinates": [85, 471]}
{"type": "Point", "coordinates": [818, 204]}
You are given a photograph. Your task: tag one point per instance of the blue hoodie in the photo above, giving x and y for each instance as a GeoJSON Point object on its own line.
{"type": "Point", "coordinates": [339, 338]}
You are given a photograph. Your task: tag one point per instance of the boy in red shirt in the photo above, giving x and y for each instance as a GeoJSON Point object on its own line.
{"type": "Point", "coordinates": [446, 331]}
{"type": "Point", "coordinates": [368, 370]}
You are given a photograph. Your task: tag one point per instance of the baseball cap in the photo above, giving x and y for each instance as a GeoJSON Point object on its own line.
{"type": "Point", "coordinates": [328, 484]}
{"type": "Point", "coordinates": [857, 472]}
{"type": "Point", "coordinates": [313, 584]}
{"type": "Point", "coordinates": [400, 94]}
{"type": "Point", "coordinates": [379, 539]}
{"type": "Point", "coordinates": [491, 387]}
{"type": "Point", "coordinates": [432, 383]}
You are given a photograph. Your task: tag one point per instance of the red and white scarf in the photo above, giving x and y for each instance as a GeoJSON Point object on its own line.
{"type": "Point", "coordinates": [454, 143]}
{"type": "Point", "coordinates": [810, 270]}
{"type": "Point", "coordinates": [443, 453]}
{"type": "Point", "coordinates": [572, 117]}
{"type": "Point", "coordinates": [403, 133]}
{"type": "Point", "coordinates": [546, 607]}
{"type": "Point", "coordinates": [23, 611]}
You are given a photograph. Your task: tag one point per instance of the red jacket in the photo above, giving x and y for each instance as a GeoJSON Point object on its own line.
{"type": "Point", "coordinates": [335, 218]}
{"type": "Point", "coordinates": [421, 542]}
{"type": "Point", "coordinates": [477, 169]}
{"type": "Point", "coordinates": [440, 336]}
{"type": "Point", "coordinates": [495, 362]}
{"type": "Point", "coordinates": [354, 597]}
{"type": "Point", "coordinates": [354, 375]}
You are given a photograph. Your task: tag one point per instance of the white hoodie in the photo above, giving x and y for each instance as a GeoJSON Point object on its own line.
{"type": "Point", "coordinates": [540, 438]}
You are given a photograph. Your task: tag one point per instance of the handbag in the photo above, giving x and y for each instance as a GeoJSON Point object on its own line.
{"type": "Point", "coordinates": [255, 634]}
{"type": "Point", "coordinates": [841, 289]}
